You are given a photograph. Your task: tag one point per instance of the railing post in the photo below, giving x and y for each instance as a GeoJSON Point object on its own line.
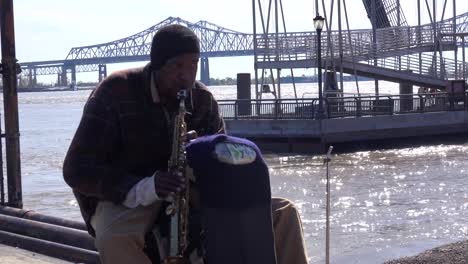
{"type": "Point", "coordinates": [358, 106]}
{"type": "Point", "coordinates": [276, 107]}
{"type": "Point", "coordinates": [2, 180]}
{"type": "Point", "coordinates": [390, 105]}
{"type": "Point", "coordinates": [452, 97]}
{"type": "Point", "coordinates": [464, 94]}
{"type": "Point", "coordinates": [421, 103]}
{"type": "Point", "coordinates": [464, 98]}
{"type": "Point", "coordinates": [235, 110]}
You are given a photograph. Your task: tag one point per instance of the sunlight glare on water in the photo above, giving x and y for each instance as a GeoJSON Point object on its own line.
{"type": "Point", "coordinates": [384, 203]}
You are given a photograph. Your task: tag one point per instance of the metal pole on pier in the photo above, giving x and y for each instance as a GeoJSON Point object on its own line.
{"type": "Point", "coordinates": [463, 57]}
{"type": "Point", "coordinates": [9, 70]}
{"type": "Point", "coordinates": [454, 22]}
{"type": "Point", "coordinates": [327, 228]}
{"type": "Point", "coordinates": [419, 36]}
{"type": "Point", "coordinates": [277, 55]}
{"type": "Point", "coordinates": [255, 51]}
{"type": "Point", "coordinates": [374, 44]}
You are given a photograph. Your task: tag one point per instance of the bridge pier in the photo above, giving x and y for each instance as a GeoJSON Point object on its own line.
{"type": "Point", "coordinates": [63, 77]}
{"type": "Point", "coordinates": [32, 78]}
{"type": "Point", "coordinates": [205, 70]}
{"type": "Point", "coordinates": [102, 71]}
{"type": "Point", "coordinates": [73, 75]}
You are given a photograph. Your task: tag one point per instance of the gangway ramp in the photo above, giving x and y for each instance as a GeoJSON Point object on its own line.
{"type": "Point", "coordinates": [366, 70]}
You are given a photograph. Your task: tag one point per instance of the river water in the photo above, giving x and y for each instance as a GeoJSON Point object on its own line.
{"type": "Point", "coordinates": [384, 203]}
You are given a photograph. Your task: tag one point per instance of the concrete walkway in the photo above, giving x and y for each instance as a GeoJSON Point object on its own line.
{"type": "Point", "coordinates": [12, 255]}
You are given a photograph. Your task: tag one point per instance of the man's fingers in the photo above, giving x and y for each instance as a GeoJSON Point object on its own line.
{"type": "Point", "coordinates": [164, 188]}
{"type": "Point", "coordinates": [172, 179]}
{"type": "Point", "coordinates": [171, 183]}
{"type": "Point", "coordinates": [166, 183]}
{"type": "Point", "coordinates": [169, 187]}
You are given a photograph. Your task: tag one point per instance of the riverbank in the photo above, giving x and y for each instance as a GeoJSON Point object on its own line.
{"type": "Point", "coordinates": [52, 89]}
{"type": "Point", "coordinates": [454, 253]}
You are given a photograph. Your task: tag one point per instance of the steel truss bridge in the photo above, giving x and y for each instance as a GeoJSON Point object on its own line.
{"type": "Point", "coordinates": [399, 53]}
{"type": "Point", "coordinates": [215, 41]}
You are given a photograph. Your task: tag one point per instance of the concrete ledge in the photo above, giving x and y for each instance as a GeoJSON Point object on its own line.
{"type": "Point", "coordinates": [14, 255]}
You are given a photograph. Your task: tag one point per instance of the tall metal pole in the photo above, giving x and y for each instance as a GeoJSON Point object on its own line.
{"type": "Point", "coordinates": [327, 216]}
{"type": "Point", "coordinates": [10, 103]}
{"type": "Point", "coordinates": [340, 43]}
{"type": "Point", "coordinates": [455, 38]}
{"type": "Point", "coordinates": [319, 70]}
{"type": "Point", "coordinates": [316, 8]}
{"type": "Point", "coordinates": [319, 62]}
{"type": "Point", "coordinates": [398, 13]}
{"type": "Point", "coordinates": [419, 35]}
{"type": "Point", "coordinates": [374, 44]}
{"type": "Point", "coordinates": [434, 20]}
{"type": "Point", "coordinates": [255, 49]}
{"type": "Point", "coordinates": [278, 70]}
{"type": "Point", "coordinates": [399, 29]}
{"type": "Point", "coordinates": [463, 57]}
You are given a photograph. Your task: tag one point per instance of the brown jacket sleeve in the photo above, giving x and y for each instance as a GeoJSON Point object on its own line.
{"type": "Point", "coordinates": [91, 164]}
{"type": "Point", "coordinates": [206, 118]}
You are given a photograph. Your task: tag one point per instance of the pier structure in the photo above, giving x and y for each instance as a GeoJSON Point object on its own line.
{"type": "Point", "coordinates": [391, 51]}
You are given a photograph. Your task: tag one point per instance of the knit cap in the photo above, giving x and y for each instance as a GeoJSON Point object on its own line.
{"type": "Point", "coordinates": [171, 41]}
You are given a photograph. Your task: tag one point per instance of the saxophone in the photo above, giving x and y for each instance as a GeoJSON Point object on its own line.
{"type": "Point", "coordinates": [178, 210]}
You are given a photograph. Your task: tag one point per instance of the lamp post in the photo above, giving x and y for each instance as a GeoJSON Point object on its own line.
{"type": "Point", "coordinates": [318, 24]}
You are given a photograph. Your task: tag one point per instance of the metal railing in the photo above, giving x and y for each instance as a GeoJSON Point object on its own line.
{"type": "Point", "coordinates": [340, 107]}
{"type": "Point", "coordinates": [397, 48]}
{"type": "Point", "coordinates": [302, 45]}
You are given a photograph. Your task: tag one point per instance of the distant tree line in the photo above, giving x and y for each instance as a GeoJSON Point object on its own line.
{"type": "Point", "coordinates": [286, 79]}
{"type": "Point", "coordinates": [24, 81]}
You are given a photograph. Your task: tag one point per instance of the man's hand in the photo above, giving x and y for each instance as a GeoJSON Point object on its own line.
{"type": "Point", "coordinates": [168, 184]}
{"type": "Point", "coordinates": [191, 135]}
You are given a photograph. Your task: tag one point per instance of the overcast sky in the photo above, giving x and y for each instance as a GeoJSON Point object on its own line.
{"type": "Point", "coordinates": [47, 29]}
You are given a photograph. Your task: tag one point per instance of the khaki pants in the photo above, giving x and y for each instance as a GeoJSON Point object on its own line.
{"type": "Point", "coordinates": [120, 232]}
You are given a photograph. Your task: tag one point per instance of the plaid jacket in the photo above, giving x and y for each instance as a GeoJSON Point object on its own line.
{"type": "Point", "coordinates": [124, 136]}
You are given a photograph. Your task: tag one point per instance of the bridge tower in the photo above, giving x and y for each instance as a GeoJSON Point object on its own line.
{"type": "Point", "coordinates": [102, 71]}
{"type": "Point", "coordinates": [205, 70]}
{"type": "Point", "coordinates": [63, 78]}
{"type": "Point", "coordinates": [73, 74]}
{"type": "Point", "coordinates": [32, 78]}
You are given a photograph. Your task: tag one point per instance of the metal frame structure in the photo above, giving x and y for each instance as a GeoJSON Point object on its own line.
{"type": "Point", "coordinates": [397, 53]}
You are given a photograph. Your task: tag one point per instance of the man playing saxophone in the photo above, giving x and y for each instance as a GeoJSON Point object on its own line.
{"type": "Point", "coordinates": [117, 163]}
